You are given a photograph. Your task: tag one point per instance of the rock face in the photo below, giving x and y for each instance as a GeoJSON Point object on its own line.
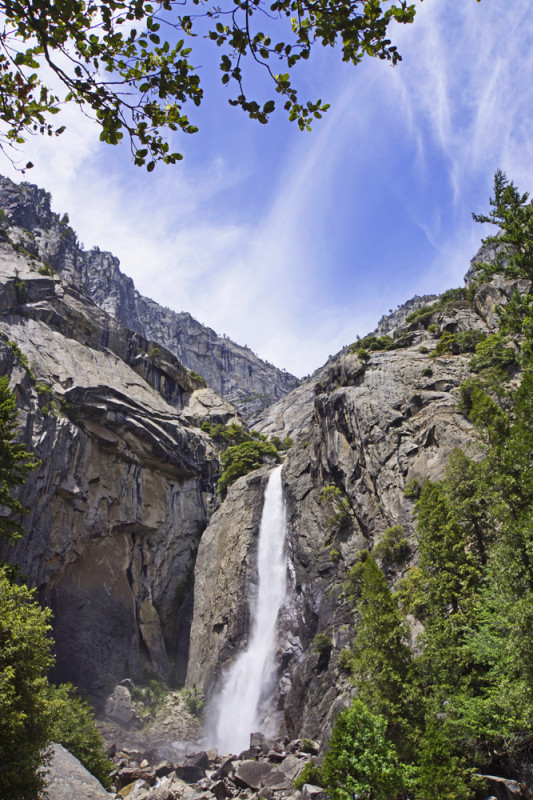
{"type": "Point", "coordinates": [233, 371]}
{"type": "Point", "coordinates": [225, 571]}
{"type": "Point", "coordinates": [67, 778]}
{"type": "Point", "coordinates": [368, 428]}
{"type": "Point", "coordinates": [120, 500]}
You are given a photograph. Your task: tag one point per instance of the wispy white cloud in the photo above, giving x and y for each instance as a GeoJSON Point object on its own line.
{"type": "Point", "coordinates": [281, 279]}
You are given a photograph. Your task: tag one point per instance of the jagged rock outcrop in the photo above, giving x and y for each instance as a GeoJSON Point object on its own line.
{"type": "Point", "coordinates": [233, 371]}
{"type": "Point", "coordinates": [393, 321]}
{"type": "Point", "coordinates": [121, 497]}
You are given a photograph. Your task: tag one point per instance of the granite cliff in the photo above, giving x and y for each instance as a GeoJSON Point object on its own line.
{"type": "Point", "coordinates": [232, 370]}
{"type": "Point", "coordinates": [121, 497]}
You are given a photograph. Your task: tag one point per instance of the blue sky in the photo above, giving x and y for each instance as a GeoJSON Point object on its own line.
{"type": "Point", "coordinates": [294, 243]}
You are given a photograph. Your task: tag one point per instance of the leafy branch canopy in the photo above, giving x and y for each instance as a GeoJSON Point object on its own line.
{"type": "Point", "coordinates": [129, 64]}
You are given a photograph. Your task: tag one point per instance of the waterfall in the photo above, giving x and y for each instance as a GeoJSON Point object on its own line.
{"type": "Point", "coordinates": [250, 682]}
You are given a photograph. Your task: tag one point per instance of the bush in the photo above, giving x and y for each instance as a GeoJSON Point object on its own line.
{"type": "Point", "coordinates": [372, 343]}
{"type": "Point", "coordinates": [360, 762]}
{"type": "Point", "coordinates": [462, 342]}
{"type": "Point", "coordinates": [307, 746]}
{"type": "Point", "coordinates": [393, 547]}
{"type": "Point", "coordinates": [448, 299]}
{"type": "Point", "coordinates": [242, 459]}
{"type": "Point", "coordinates": [345, 661]}
{"type": "Point", "coordinates": [228, 435]}
{"type": "Point", "coordinates": [194, 700]}
{"type": "Point", "coordinates": [25, 723]}
{"type": "Point", "coordinates": [341, 506]}
{"type": "Point", "coordinates": [412, 489]}
{"type": "Point", "coordinates": [322, 644]}
{"type": "Point", "coordinates": [281, 445]}
{"type": "Point", "coordinates": [311, 773]}
{"type": "Point", "coordinates": [73, 727]}
{"type": "Point", "coordinates": [494, 353]}
{"type": "Point", "coordinates": [15, 464]}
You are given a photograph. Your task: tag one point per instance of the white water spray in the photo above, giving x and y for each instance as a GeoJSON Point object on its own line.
{"type": "Point", "coordinates": [249, 684]}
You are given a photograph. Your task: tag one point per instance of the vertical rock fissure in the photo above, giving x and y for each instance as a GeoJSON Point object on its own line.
{"type": "Point", "coordinates": [248, 687]}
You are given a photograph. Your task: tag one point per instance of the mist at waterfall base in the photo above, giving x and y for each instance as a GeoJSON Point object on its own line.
{"type": "Point", "coordinates": [249, 684]}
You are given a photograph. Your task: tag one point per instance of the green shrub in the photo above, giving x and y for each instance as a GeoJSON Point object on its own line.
{"type": "Point", "coordinates": [421, 315]}
{"type": "Point", "coordinates": [25, 725]}
{"type": "Point", "coordinates": [307, 746]}
{"type": "Point", "coordinates": [433, 329]}
{"type": "Point", "coordinates": [334, 555]}
{"type": "Point", "coordinates": [412, 489]}
{"type": "Point", "coordinates": [15, 464]}
{"type": "Point", "coordinates": [22, 359]}
{"type": "Point", "coordinates": [372, 343]}
{"type": "Point", "coordinates": [359, 761]}
{"type": "Point", "coordinates": [494, 353]}
{"type": "Point", "coordinates": [448, 299]}
{"type": "Point", "coordinates": [311, 773]}
{"type": "Point", "coordinates": [194, 700]}
{"type": "Point", "coordinates": [427, 372]}
{"type": "Point", "coordinates": [74, 728]}
{"type": "Point", "coordinates": [393, 546]}
{"type": "Point", "coordinates": [322, 644]}
{"type": "Point", "coordinates": [242, 459]}
{"type": "Point", "coordinates": [361, 353]}
{"type": "Point", "coordinates": [281, 445]}
{"type": "Point", "coordinates": [197, 377]}
{"type": "Point", "coordinates": [345, 661]}
{"type": "Point", "coordinates": [340, 503]}
{"type": "Point", "coordinates": [462, 342]}
{"type": "Point", "coordinates": [228, 435]}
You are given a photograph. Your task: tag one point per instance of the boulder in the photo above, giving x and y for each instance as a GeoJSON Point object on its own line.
{"type": "Point", "coordinates": [67, 778]}
{"type": "Point", "coordinates": [310, 792]}
{"type": "Point", "coordinates": [252, 774]}
{"type": "Point", "coordinates": [119, 708]}
{"type": "Point", "coordinates": [190, 773]}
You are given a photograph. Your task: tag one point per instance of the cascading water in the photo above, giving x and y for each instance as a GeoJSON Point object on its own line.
{"type": "Point", "coordinates": [250, 682]}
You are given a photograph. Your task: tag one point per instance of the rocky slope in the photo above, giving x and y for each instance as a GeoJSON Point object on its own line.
{"type": "Point", "coordinates": [233, 371]}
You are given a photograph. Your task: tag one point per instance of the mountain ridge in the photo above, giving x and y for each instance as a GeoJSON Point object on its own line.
{"type": "Point", "coordinates": [232, 370]}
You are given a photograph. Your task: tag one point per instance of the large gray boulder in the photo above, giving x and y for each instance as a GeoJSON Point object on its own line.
{"type": "Point", "coordinates": [67, 778]}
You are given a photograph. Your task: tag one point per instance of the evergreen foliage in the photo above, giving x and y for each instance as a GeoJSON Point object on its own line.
{"type": "Point", "coordinates": [360, 761]}
{"type": "Point", "coordinates": [25, 722]}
